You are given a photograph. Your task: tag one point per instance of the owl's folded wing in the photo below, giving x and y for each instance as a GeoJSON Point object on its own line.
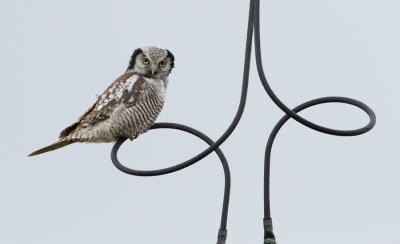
{"type": "Point", "coordinates": [123, 91]}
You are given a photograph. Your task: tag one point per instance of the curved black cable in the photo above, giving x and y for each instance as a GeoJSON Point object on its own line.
{"type": "Point", "coordinates": [287, 110]}
{"type": "Point", "coordinates": [253, 22]}
{"type": "Point", "coordinates": [225, 206]}
{"type": "Point", "coordinates": [268, 233]}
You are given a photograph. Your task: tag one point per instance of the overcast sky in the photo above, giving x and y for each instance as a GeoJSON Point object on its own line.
{"type": "Point", "coordinates": [56, 56]}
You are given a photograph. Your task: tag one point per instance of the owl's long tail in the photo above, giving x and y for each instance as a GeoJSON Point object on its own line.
{"type": "Point", "coordinates": [54, 146]}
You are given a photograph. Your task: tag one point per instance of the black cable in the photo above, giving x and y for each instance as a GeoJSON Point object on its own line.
{"type": "Point", "coordinates": [291, 113]}
{"type": "Point", "coordinates": [117, 145]}
{"type": "Point", "coordinates": [268, 233]}
{"type": "Point", "coordinates": [253, 22]}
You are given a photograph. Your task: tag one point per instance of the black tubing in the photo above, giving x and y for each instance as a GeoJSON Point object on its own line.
{"type": "Point", "coordinates": [268, 233]}
{"type": "Point", "coordinates": [225, 206]}
{"type": "Point", "coordinates": [253, 24]}
{"type": "Point", "coordinates": [291, 113]}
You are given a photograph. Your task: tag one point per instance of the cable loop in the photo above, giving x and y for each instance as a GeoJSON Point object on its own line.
{"type": "Point", "coordinates": [225, 206]}
{"type": "Point", "coordinates": [293, 114]}
{"type": "Point", "coordinates": [253, 25]}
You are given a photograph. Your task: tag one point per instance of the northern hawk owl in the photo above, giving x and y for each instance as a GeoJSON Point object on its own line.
{"type": "Point", "coordinates": [128, 107]}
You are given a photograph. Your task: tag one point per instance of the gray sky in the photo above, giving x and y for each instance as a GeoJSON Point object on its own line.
{"type": "Point", "coordinates": [57, 55]}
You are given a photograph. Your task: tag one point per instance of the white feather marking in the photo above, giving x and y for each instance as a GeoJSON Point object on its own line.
{"type": "Point", "coordinates": [116, 91]}
{"type": "Point", "coordinates": [127, 86]}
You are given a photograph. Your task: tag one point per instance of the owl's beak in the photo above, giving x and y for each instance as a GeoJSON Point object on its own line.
{"type": "Point", "coordinates": [152, 71]}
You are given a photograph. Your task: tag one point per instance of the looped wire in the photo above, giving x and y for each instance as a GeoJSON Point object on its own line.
{"type": "Point", "coordinates": [293, 114]}
{"type": "Point", "coordinates": [253, 24]}
{"type": "Point", "coordinates": [225, 206]}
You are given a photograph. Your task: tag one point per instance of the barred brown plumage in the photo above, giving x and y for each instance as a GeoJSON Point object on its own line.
{"type": "Point", "coordinates": [128, 107]}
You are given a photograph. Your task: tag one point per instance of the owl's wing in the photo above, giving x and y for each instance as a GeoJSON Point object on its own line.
{"type": "Point", "coordinates": [123, 90]}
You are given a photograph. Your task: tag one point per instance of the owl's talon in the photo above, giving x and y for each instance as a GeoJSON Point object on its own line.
{"type": "Point", "coordinates": [133, 137]}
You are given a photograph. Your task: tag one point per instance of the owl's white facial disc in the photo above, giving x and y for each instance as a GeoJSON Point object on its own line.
{"type": "Point", "coordinates": [152, 62]}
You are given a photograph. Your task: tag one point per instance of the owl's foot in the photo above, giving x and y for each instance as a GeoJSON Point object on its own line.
{"type": "Point", "coordinates": [133, 138]}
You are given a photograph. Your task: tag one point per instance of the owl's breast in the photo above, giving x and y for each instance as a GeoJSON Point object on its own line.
{"type": "Point", "coordinates": [142, 109]}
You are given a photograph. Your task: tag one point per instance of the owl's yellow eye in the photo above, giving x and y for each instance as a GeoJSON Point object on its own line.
{"type": "Point", "coordinates": [163, 63]}
{"type": "Point", "coordinates": [145, 60]}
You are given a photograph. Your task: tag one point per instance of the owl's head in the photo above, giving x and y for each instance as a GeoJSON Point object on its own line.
{"type": "Point", "coordinates": [152, 62]}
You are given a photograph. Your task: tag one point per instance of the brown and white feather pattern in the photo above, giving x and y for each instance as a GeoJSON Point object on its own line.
{"type": "Point", "coordinates": [127, 108]}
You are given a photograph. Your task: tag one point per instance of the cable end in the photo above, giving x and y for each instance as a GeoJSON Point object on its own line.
{"type": "Point", "coordinates": [269, 237]}
{"type": "Point", "coordinates": [269, 241]}
{"type": "Point", "coordinates": [222, 233]}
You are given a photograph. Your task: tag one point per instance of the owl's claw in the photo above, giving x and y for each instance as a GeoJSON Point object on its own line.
{"type": "Point", "coordinates": [133, 138]}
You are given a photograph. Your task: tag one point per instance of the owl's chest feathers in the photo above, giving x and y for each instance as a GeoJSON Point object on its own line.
{"type": "Point", "coordinates": [151, 89]}
{"type": "Point", "coordinates": [136, 116]}
{"type": "Point", "coordinates": [128, 107]}
{"type": "Point", "coordinates": [131, 92]}
{"type": "Point", "coordinates": [147, 93]}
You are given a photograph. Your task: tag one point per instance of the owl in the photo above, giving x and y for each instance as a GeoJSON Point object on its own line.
{"type": "Point", "coordinates": [128, 107]}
